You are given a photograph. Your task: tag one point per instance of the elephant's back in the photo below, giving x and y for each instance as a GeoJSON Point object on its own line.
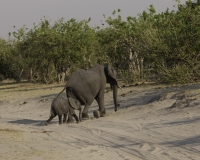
{"type": "Point", "coordinates": [75, 78]}
{"type": "Point", "coordinates": [82, 79]}
{"type": "Point", "coordinates": [60, 105]}
{"type": "Point", "coordinates": [83, 84]}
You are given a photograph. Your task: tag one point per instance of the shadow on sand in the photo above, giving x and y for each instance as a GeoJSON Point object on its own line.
{"type": "Point", "coordinates": [29, 122]}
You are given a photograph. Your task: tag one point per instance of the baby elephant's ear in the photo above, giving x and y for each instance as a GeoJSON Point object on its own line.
{"type": "Point", "coordinates": [73, 103]}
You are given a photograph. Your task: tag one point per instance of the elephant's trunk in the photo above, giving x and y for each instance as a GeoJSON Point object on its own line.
{"type": "Point", "coordinates": [115, 96]}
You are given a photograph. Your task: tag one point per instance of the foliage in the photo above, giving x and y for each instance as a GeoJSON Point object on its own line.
{"type": "Point", "coordinates": [45, 50]}
{"type": "Point", "coordinates": [6, 69]}
{"type": "Point", "coordinates": [161, 47]}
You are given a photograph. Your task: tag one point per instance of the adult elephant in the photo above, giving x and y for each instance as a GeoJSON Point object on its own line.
{"type": "Point", "coordinates": [87, 85]}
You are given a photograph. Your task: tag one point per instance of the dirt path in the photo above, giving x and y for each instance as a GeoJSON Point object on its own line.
{"type": "Point", "coordinates": [152, 123]}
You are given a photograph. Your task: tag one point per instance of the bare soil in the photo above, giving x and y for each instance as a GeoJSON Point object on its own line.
{"type": "Point", "coordinates": [153, 122]}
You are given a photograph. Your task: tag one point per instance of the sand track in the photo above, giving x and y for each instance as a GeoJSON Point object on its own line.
{"type": "Point", "coordinates": [152, 123]}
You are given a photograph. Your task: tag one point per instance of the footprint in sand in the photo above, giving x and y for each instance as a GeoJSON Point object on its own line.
{"type": "Point", "coordinates": [96, 132]}
{"type": "Point", "coordinates": [152, 149]}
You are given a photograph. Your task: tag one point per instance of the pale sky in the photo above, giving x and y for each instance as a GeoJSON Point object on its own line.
{"type": "Point", "coordinates": [26, 12]}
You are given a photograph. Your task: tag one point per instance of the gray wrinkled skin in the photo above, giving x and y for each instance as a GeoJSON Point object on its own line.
{"type": "Point", "coordinates": [61, 106]}
{"type": "Point", "coordinates": [87, 85]}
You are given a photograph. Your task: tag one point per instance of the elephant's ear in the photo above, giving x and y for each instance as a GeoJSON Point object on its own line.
{"type": "Point", "coordinates": [73, 103]}
{"type": "Point", "coordinates": [111, 72]}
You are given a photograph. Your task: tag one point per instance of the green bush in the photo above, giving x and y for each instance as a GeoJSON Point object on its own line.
{"type": "Point", "coordinates": [162, 47]}
{"type": "Point", "coordinates": [1, 77]}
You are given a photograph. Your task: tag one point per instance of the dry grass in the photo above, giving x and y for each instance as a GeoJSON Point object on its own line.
{"type": "Point", "coordinates": [10, 90]}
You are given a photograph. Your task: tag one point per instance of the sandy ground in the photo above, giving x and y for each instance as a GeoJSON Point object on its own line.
{"type": "Point", "coordinates": [152, 123]}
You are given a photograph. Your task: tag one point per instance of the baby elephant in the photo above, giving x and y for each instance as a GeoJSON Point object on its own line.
{"type": "Point", "coordinates": [63, 105]}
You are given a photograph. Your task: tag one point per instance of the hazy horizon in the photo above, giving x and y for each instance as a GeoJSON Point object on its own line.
{"type": "Point", "coordinates": [18, 13]}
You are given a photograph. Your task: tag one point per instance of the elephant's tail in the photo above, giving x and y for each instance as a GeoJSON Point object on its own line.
{"type": "Point", "coordinates": [61, 91]}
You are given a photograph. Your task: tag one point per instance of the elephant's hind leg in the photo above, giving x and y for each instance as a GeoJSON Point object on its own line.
{"type": "Point", "coordinates": [86, 108]}
{"type": "Point", "coordinates": [48, 121]}
{"type": "Point", "coordinates": [70, 119]}
{"type": "Point", "coordinates": [100, 101]}
{"type": "Point", "coordinates": [75, 116]}
{"type": "Point", "coordinates": [65, 118]}
{"type": "Point", "coordinates": [85, 112]}
{"type": "Point", "coordinates": [60, 119]}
